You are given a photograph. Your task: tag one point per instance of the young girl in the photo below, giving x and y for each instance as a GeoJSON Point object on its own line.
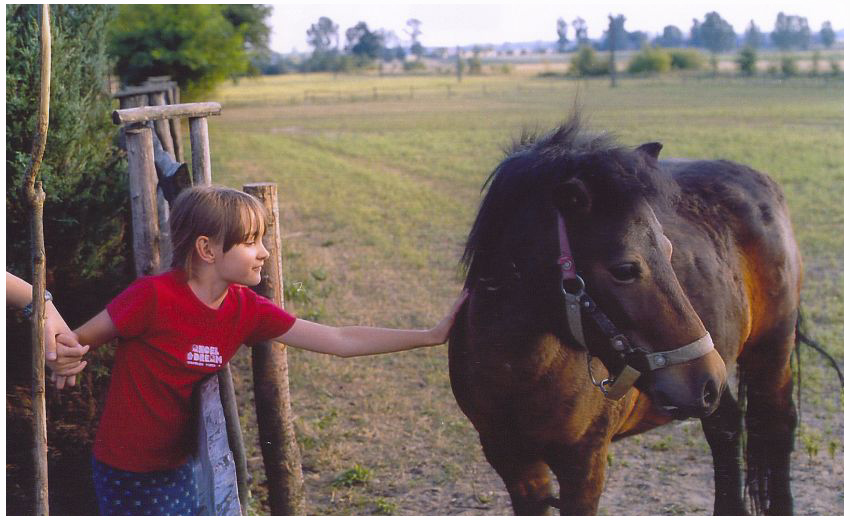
{"type": "Point", "coordinates": [175, 328]}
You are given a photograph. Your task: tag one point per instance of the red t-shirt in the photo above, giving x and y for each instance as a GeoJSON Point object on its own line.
{"type": "Point", "coordinates": [170, 340]}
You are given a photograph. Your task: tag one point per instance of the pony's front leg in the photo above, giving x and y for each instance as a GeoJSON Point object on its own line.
{"type": "Point", "coordinates": [581, 475]}
{"type": "Point", "coordinates": [723, 430]}
{"type": "Point", "coordinates": [526, 476]}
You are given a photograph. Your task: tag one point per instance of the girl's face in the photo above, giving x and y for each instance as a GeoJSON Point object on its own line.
{"type": "Point", "coordinates": [243, 262]}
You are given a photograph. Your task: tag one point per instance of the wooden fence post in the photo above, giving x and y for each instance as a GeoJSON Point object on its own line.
{"type": "Point", "coordinates": [200, 141]}
{"type": "Point", "coordinates": [281, 456]}
{"type": "Point", "coordinates": [143, 199]}
{"type": "Point", "coordinates": [163, 133]}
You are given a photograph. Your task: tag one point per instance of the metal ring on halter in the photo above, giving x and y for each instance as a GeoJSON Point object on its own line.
{"type": "Point", "coordinates": [576, 293]}
{"type": "Point", "coordinates": [598, 384]}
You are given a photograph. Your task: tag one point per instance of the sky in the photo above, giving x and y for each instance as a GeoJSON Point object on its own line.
{"type": "Point", "coordinates": [447, 24]}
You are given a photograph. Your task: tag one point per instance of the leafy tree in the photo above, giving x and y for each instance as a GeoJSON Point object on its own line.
{"type": "Point", "coordinates": [670, 37]}
{"type": "Point", "coordinates": [753, 37]}
{"type": "Point", "coordinates": [716, 34]}
{"type": "Point", "coordinates": [195, 44]}
{"type": "Point", "coordinates": [86, 216]}
{"type": "Point", "coordinates": [746, 61]}
{"type": "Point", "coordinates": [473, 64]}
{"type": "Point", "coordinates": [791, 31]}
{"type": "Point", "coordinates": [636, 39]}
{"type": "Point", "coordinates": [616, 37]}
{"type": "Point", "coordinates": [827, 35]}
{"type": "Point", "coordinates": [562, 35]}
{"type": "Point", "coordinates": [580, 28]}
{"type": "Point", "coordinates": [323, 35]}
{"type": "Point", "coordinates": [363, 43]}
{"type": "Point", "coordinates": [695, 38]}
{"type": "Point", "coordinates": [416, 47]}
{"type": "Point", "coordinates": [250, 20]}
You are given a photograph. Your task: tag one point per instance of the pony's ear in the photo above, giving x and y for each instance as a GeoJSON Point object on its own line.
{"type": "Point", "coordinates": [572, 196]}
{"type": "Point", "coordinates": [650, 149]}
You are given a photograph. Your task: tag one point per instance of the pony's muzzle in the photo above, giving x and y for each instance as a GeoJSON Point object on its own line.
{"type": "Point", "coordinates": [691, 389]}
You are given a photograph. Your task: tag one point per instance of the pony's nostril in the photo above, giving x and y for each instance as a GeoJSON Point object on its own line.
{"type": "Point", "coordinates": [709, 394]}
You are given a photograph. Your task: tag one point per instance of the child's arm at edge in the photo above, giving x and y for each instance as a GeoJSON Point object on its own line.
{"type": "Point", "coordinates": [364, 341]}
{"type": "Point", "coordinates": [97, 330]}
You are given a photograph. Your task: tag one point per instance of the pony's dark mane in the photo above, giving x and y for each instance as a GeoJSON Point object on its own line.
{"type": "Point", "coordinates": [535, 162]}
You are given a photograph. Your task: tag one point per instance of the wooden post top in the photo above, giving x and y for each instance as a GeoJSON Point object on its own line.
{"type": "Point", "coordinates": [154, 113]}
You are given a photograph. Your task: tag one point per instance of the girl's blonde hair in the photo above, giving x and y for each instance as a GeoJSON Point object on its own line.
{"type": "Point", "coordinates": [225, 215]}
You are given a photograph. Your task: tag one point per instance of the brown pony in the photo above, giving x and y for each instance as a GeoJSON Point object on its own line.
{"type": "Point", "coordinates": [663, 273]}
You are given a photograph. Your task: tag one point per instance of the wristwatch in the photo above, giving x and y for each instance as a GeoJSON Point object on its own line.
{"type": "Point", "coordinates": [27, 311]}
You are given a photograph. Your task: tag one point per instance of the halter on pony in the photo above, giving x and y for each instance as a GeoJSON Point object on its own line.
{"type": "Point", "coordinates": [637, 360]}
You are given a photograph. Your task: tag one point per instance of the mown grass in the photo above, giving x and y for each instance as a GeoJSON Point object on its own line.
{"type": "Point", "coordinates": [377, 196]}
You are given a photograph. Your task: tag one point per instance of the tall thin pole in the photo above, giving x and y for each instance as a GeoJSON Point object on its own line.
{"type": "Point", "coordinates": [35, 196]}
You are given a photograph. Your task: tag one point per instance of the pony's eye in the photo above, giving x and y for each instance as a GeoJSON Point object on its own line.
{"type": "Point", "coordinates": [628, 272]}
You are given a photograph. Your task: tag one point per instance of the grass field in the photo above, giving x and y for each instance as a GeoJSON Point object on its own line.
{"type": "Point", "coordinates": [379, 180]}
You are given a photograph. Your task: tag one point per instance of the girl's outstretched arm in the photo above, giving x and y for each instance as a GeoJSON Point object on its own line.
{"type": "Point", "coordinates": [363, 341]}
{"type": "Point", "coordinates": [97, 330]}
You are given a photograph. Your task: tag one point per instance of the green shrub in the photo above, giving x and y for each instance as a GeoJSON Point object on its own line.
{"type": "Point", "coordinates": [413, 66]}
{"type": "Point", "coordinates": [650, 60]}
{"type": "Point", "coordinates": [788, 66]}
{"type": "Point", "coordinates": [473, 65]}
{"type": "Point", "coordinates": [686, 59]}
{"type": "Point", "coordinates": [585, 63]}
{"type": "Point", "coordinates": [86, 211]}
{"type": "Point", "coordinates": [84, 174]}
{"type": "Point", "coordinates": [746, 60]}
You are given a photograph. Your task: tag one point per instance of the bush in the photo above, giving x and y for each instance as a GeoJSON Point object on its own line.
{"type": "Point", "coordinates": [746, 60]}
{"type": "Point", "coordinates": [585, 63]}
{"type": "Point", "coordinates": [83, 173]}
{"type": "Point", "coordinates": [413, 66]}
{"type": "Point", "coordinates": [686, 59]}
{"type": "Point", "coordinates": [650, 60]}
{"type": "Point", "coordinates": [788, 66]}
{"type": "Point", "coordinates": [473, 65]}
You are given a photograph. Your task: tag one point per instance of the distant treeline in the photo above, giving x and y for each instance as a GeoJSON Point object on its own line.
{"type": "Point", "coordinates": [364, 47]}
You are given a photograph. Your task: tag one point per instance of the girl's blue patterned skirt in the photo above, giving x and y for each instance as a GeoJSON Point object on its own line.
{"type": "Point", "coordinates": [170, 493]}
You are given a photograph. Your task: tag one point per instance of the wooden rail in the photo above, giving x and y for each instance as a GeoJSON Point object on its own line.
{"type": "Point", "coordinates": [156, 113]}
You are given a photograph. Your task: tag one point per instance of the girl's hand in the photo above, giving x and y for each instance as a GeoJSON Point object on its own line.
{"type": "Point", "coordinates": [440, 333]}
{"type": "Point", "coordinates": [68, 362]}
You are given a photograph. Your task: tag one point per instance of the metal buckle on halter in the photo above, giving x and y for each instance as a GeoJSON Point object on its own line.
{"type": "Point", "coordinates": [573, 302]}
{"type": "Point", "coordinates": [616, 388]}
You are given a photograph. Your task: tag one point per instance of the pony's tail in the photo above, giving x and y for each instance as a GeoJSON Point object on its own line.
{"type": "Point", "coordinates": [802, 337]}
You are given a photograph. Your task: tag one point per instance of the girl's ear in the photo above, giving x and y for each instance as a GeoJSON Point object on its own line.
{"type": "Point", "coordinates": [203, 248]}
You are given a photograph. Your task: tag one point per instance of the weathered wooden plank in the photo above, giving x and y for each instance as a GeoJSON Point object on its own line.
{"type": "Point", "coordinates": [215, 472]}
{"type": "Point", "coordinates": [144, 114]}
{"type": "Point", "coordinates": [227, 393]}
